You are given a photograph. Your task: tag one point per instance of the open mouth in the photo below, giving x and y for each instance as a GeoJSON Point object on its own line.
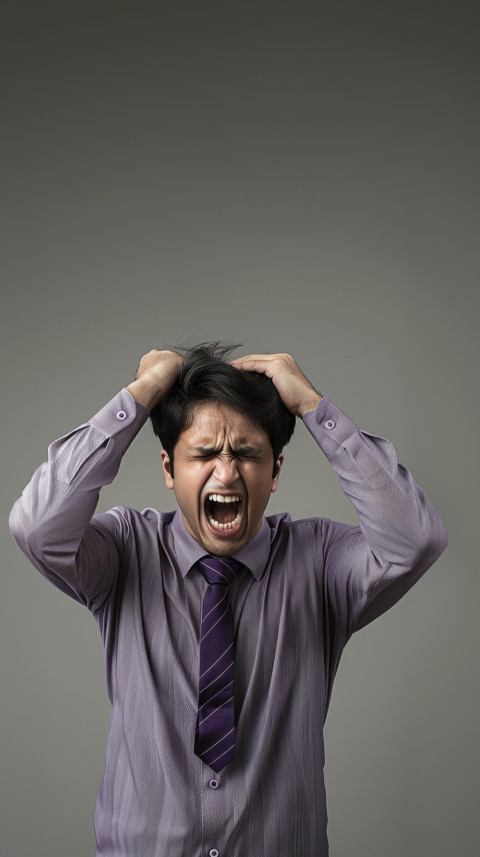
{"type": "Point", "coordinates": [224, 511]}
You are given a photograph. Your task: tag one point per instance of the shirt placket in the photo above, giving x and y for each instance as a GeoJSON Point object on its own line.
{"type": "Point", "coordinates": [217, 813]}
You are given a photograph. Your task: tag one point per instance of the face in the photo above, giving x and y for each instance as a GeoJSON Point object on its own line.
{"type": "Point", "coordinates": [223, 478]}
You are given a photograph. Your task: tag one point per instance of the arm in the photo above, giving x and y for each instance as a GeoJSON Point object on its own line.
{"type": "Point", "coordinates": [53, 523]}
{"type": "Point", "coordinates": [367, 568]}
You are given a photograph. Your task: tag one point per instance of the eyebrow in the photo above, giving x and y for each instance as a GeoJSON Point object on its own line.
{"type": "Point", "coordinates": [245, 450]}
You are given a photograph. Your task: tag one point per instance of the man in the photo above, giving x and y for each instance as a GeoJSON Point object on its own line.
{"type": "Point", "coordinates": [223, 629]}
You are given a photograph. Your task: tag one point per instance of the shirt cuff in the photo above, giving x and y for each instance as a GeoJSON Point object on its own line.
{"type": "Point", "coordinates": [121, 414]}
{"type": "Point", "coordinates": [329, 426]}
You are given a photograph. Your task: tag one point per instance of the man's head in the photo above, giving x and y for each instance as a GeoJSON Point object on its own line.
{"type": "Point", "coordinates": [222, 432]}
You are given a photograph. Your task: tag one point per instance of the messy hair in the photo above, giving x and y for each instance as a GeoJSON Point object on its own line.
{"type": "Point", "coordinates": [206, 376]}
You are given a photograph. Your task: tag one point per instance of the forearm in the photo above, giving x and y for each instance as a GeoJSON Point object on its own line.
{"type": "Point", "coordinates": [145, 392]}
{"type": "Point", "coordinates": [49, 520]}
{"type": "Point", "coordinates": [310, 404]}
{"type": "Point", "coordinates": [156, 373]}
{"type": "Point", "coordinates": [394, 513]}
{"type": "Point", "coordinates": [401, 533]}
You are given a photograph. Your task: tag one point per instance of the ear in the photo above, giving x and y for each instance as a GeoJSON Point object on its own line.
{"type": "Point", "coordinates": [278, 468]}
{"type": "Point", "coordinates": [167, 469]}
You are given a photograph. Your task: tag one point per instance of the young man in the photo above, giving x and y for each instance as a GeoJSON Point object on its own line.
{"type": "Point", "coordinates": [223, 628]}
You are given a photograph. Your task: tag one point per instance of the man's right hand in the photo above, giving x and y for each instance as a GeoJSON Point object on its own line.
{"type": "Point", "coordinates": [155, 375]}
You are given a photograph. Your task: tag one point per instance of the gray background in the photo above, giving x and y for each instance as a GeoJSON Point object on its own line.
{"type": "Point", "coordinates": [298, 177]}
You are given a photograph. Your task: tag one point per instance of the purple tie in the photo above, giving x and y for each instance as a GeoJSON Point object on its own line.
{"type": "Point", "coordinates": [215, 734]}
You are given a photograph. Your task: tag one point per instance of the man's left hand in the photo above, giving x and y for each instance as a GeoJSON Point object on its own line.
{"type": "Point", "coordinates": [294, 388]}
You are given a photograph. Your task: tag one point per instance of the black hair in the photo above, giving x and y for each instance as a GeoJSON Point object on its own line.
{"type": "Point", "coordinates": [206, 376]}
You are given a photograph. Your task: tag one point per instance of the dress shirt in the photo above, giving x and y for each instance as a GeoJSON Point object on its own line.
{"type": "Point", "coordinates": [305, 587]}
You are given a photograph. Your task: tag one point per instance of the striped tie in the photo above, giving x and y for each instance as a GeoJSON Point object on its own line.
{"type": "Point", "coordinates": [215, 734]}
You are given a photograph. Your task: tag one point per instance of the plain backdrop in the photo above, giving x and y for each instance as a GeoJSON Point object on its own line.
{"type": "Point", "coordinates": [293, 176]}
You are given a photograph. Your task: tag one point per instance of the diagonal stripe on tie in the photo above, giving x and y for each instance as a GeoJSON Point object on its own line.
{"type": "Point", "coordinates": [214, 712]}
{"type": "Point", "coordinates": [216, 670]}
{"type": "Point", "coordinates": [214, 762]}
{"type": "Point", "coordinates": [212, 610]}
{"type": "Point", "coordinates": [217, 693]}
{"type": "Point", "coordinates": [218, 742]}
{"type": "Point", "coordinates": [218, 618]}
{"type": "Point", "coordinates": [206, 686]}
{"type": "Point", "coordinates": [218, 659]}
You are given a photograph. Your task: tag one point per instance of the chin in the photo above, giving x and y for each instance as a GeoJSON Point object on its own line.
{"type": "Point", "coordinates": [224, 547]}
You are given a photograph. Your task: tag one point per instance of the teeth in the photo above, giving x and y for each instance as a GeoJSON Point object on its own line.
{"type": "Point", "coordinates": [229, 498]}
{"type": "Point", "coordinates": [220, 498]}
{"type": "Point", "coordinates": [228, 526]}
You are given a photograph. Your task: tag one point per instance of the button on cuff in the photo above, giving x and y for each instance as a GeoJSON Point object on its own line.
{"type": "Point", "coordinates": [330, 424]}
{"type": "Point", "coordinates": [118, 414]}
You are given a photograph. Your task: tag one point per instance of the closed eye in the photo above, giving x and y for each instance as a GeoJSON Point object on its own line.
{"type": "Point", "coordinates": [242, 452]}
{"type": "Point", "coordinates": [206, 453]}
{"type": "Point", "coordinates": [239, 455]}
{"type": "Point", "coordinates": [247, 452]}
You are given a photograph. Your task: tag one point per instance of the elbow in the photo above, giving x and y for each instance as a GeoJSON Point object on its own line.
{"type": "Point", "coordinates": [439, 536]}
{"type": "Point", "coordinates": [434, 540]}
{"type": "Point", "coordinates": [15, 524]}
{"type": "Point", "coordinates": [23, 530]}
{"type": "Point", "coordinates": [443, 541]}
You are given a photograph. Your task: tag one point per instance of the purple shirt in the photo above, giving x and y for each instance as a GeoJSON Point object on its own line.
{"type": "Point", "coordinates": [306, 586]}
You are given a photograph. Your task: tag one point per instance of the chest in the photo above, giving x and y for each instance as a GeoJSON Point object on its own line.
{"type": "Point", "coordinates": [277, 629]}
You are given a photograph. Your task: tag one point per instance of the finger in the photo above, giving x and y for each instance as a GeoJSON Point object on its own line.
{"type": "Point", "coordinates": [251, 360]}
{"type": "Point", "coordinates": [251, 366]}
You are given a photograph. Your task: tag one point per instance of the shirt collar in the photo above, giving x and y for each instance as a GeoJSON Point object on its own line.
{"type": "Point", "coordinates": [187, 551]}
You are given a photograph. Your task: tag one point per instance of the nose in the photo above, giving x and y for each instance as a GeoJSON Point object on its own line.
{"type": "Point", "coordinates": [226, 470]}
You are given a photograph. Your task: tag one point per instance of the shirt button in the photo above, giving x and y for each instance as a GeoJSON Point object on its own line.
{"type": "Point", "coordinates": [213, 852]}
{"type": "Point", "coordinates": [214, 784]}
{"type": "Point", "coordinates": [121, 415]}
{"type": "Point", "coordinates": [330, 424]}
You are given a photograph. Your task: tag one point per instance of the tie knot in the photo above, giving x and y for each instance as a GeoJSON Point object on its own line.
{"type": "Point", "coordinates": [217, 569]}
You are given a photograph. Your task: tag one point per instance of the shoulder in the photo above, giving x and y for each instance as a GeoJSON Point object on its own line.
{"type": "Point", "coordinates": [131, 522]}
{"type": "Point", "coordinates": [307, 533]}
{"type": "Point", "coordinates": [283, 528]}
{"type": "Point", "coordinates": [283, 522]}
